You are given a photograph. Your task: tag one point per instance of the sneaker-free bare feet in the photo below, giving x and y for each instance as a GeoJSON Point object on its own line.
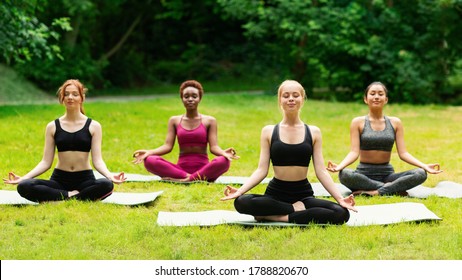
{"type": "Point", "coordinates": [299, 206]}
{"type": "Point", "coordinates": [72, 193]}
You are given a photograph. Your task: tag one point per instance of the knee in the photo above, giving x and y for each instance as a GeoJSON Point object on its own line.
{"type": "Point", "coordinates": [106, 185]}
{"type": "Point", "coordinates": [222, 161]}
{"type": "Point", "coordinates": [341, 216]}
{"type": "Point", "coordinates": [344, 175]}
{"type": "Point", "coordinates": [25, 187]}
{"type": "Point", "coordinates": [242, 203]}
{"type": "Point", "coordinates": [151, 160]}
{"type": "Point", "coordinates": [421, 174]}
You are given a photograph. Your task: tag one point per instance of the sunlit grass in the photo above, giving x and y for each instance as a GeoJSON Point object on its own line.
{"type": "Point", "coordinates": [81, 230]}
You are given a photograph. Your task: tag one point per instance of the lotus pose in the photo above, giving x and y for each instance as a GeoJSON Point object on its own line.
{"type": "Point", "coordinates": [75, 136]}
{"type": "Point", "coordinates": [194, 131]}
{"type": "Point", "coordinates": [290, 145]}
{"type": "Point", "coordinates": [372, 138]}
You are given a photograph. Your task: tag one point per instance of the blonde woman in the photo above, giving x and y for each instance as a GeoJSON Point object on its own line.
{"type": "Point", "coordinates": [290, 146]}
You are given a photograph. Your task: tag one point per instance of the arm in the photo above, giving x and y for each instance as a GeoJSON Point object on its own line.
{"type": "Point", "coordinates": [96, 155]}
{"type": "Point", "coordinates": [262, 170]}
{"type": "Point", "coordinates": [322, 174]}
{"type": "Point", "coordinates": [353, 155]}
{"type": "Point", "coordinates": [141, 155]}
{"type": "Point", "coordinates": [44, 164]}
{"type": "Point", "coordinates": [229, 153]}
{"type": "Point", "coordinates": [433, 168]}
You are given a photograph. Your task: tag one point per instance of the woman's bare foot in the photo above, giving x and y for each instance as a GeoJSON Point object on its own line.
{"type": "Point", "coordinates": [299, 206]}
{"type": "Point", "coordinates": [72, 193]}
{"type": "Point", "coordinates": [275, 218]}
{"type": "Point", "coordinates": [187, 179]}
{"type": "Point", "coordinates": [366, 193]}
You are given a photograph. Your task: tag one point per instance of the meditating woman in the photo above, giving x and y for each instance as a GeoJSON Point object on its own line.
{"type": "Point", "coordinates": [74, 135]}
{"type": "Point", "coordinates": [372, 138]}
{"type": "Point", "coordinates": [194, 132]}
{"type": "Point", "coordinates": [290, 145]}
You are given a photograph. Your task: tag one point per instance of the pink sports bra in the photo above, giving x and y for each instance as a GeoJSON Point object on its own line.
{"type": "Point", "coordinates": [193, 137]}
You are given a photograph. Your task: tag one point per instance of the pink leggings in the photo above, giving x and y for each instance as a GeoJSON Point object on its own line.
{"type": "Point", "coordinates": [197, 165]}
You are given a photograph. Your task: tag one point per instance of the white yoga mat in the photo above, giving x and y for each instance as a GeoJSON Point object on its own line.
{"type": "Point", "coordinates": [131, 177]}
{"type": "Point", "coordinates": [121, 198]}
{"type": "Point", "coordinates": [442, 189]}
{"type": "Point", "coordinates": [381, 214]}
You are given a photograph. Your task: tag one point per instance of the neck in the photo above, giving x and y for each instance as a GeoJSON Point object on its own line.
{"type": "Point", "coordinates": [291, 119]}
{"type": "Point", "coordinates": [375, 114]}
{"type": "Point", "coordinates": [73, 114]}
{"type": "Point", "coordinates": [191, 114]}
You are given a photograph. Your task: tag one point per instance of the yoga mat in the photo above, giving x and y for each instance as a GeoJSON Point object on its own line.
{"type": "Point", "coordinates": [381, 214]}
{"type": "Point", "coordinates": [442, 189]}
{"type": "Point", "coordinates": [120, 198]}
{"type": "Point", "coordinates": [131, 177]}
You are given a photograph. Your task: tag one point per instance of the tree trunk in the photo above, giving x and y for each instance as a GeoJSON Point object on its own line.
{"type": "Point", "coordinates": [71, 36]}
{"type": "Point", "coordinates": [122, 40]}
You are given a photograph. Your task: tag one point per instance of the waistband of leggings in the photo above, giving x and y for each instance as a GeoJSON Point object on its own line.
{"type": "Point", "coordinates": [289, 184]}
{"type": "Point", "coordinates": [386, 164]}
{"type": "Point", "coordinates": [193, 155]}
{"type": "Point", "coordinates": [60, 172]}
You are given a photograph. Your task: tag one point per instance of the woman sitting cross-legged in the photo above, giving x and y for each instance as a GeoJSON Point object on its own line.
{"type": "Point", "coordinates": [290, 145]}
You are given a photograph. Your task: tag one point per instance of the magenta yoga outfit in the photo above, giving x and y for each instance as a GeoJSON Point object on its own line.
{"type": "Point", "coordinates": [198, 165]}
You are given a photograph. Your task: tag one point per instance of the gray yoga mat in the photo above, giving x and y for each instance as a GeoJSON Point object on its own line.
{"type": "Point", "coordinates": [121, 198]}
{"type": "Point", "coordinates": [381, 214]}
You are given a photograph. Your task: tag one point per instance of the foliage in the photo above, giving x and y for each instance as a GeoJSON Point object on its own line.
{"type": "Point", "coordinates": [337, 46]}
{"type": "Point", "coordinates": [23, 37]}
{"type": "Point", "coordinates": [409, 45]}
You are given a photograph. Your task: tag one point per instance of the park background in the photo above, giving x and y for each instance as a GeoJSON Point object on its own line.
{"type": "Point", "coordinates": [240, 51]}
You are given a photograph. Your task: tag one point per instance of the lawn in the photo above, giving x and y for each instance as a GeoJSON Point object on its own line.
{"type": "Point", "coordinates": [83, 230]}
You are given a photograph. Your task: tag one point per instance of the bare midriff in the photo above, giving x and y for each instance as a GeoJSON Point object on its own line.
{"type": "Point", "coordinates": [72, 161]}
{"type": "Point", "coordinates": [374, 156]}
{"type": "Point", "coordinates": [193, 150]}
{"type": "Point", "coordinates": [290, 173]}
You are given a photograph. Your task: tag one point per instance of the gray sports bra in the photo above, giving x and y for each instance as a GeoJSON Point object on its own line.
{"type": "Point", "coordinates": [381, 140]}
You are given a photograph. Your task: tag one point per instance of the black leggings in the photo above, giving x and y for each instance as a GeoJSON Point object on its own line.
{"type": "Point", "coordinates": [61, 182]}
{"type": "Point", "coordinates": [279, 197]}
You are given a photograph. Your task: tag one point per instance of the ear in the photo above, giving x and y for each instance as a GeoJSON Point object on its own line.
{"type": "Point", "coordinates": [386, 100]}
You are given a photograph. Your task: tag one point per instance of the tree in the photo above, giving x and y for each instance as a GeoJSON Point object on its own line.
{"type": "Point", "coordinates": [24, 37]}
{"type": "Point", "coordinates": [409, 45]}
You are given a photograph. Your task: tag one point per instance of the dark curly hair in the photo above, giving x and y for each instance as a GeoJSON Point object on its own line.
{"type": "Point", "coordinates": [194, 84]}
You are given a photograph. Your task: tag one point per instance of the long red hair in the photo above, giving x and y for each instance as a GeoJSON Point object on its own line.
{"type": "Point", "coordinates": [80, 87]}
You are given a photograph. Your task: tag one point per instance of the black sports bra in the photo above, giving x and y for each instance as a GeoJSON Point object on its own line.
{"type": "Point", "coordinates": [283, 154]}
{"type": "Point", "coordinates": [73, 141]}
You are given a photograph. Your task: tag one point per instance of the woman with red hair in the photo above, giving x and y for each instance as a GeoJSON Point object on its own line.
{"type": "Point", "coordinates": [74, 135]}
{"type": "Point", "coordinates": [194, 132]}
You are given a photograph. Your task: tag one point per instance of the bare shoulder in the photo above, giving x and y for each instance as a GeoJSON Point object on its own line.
{"type": "Point", "coordinates": [174, 120]}
{"type": "Point", "coordinates": [207, 120]}
{"type": "Point", "coordinates": [95, 124]}
{"type": "Point", "coordinates": [394, 120]}
{"type": "Point", "coordinates": [51, 124]}
{"type": "Point", "coordinates": [267, 130]}
{"type": "Point", "coordinates": [358, 120]}
{"type": "Point", "coordinates": [51, 127]}
{"type": "Point", "coordinates": [315, 131]}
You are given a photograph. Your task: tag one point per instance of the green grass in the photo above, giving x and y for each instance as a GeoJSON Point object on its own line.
{"type": "Point", "coordinates": [16, 90]}
{"type": "Point", "coordinates": [83, 230]}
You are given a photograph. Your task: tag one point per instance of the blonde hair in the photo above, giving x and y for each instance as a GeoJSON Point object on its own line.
{"type": "Point", "coordinates": [283, 84]}
{"type": "Point", "coordinates": [80, 87]}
